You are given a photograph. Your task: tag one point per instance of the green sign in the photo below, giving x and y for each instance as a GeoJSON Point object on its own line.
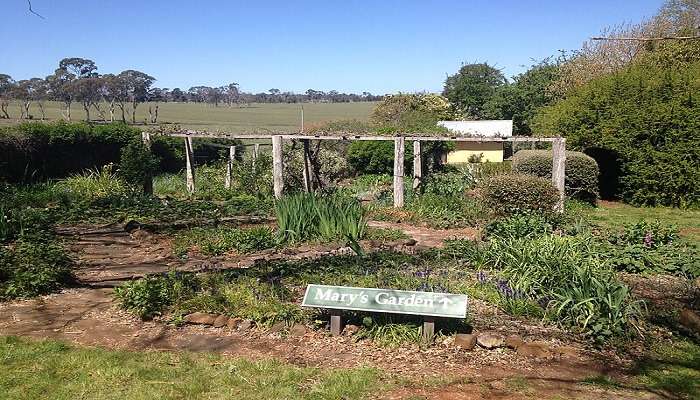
{"type": "Point", "coordinates": [386, 300]}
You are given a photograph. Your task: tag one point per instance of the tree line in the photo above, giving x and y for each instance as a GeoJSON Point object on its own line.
{"type": "Point", "coordinates": [113, 97]}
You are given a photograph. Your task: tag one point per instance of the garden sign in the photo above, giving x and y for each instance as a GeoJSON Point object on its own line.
{"type": "Point", "coordinates": [430, 304]}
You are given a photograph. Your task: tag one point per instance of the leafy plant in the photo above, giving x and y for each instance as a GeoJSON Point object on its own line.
{"type": "Point", "coordinates": [149, 296]}
{"type": "Point", "coordinates": [514, 193]}
{"type": "Point", "coordinates": [518, 226]}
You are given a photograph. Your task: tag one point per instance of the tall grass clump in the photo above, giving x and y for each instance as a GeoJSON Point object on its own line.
{"type": "Point", "coordinates": [566, 277]}
{"type": "Point", "coordinates": [93, 184]}
{"type": "Point", "coordinates": [308, 216]}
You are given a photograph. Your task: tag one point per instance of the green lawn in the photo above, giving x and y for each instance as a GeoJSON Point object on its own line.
{"type": "Point", "coordinates": [615, 215]}
{"type": "Point", "coordinates": [49, 369]}
{"type": "Point", "coordinates": [255, 117]}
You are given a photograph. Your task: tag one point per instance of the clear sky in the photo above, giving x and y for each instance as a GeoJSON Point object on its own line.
{"type": "Point", "coordinates": [347, 45]}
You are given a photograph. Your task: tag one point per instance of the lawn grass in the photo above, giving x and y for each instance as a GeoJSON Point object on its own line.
{"type": "Point", "coordinates": [255, 117]}
{"type": "Point", "coordinates": [615, 215]}
{"type": "Point", "coordinates": [51, 369]}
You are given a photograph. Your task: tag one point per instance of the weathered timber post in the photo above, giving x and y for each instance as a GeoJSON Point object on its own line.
{"type": "Point", "coordinates": [398, 171]}
{"type": "Point", "coordinates": [307, 166]}
{"type": "Point", "coordinates": [428, 329]}
{"type": "Point", "coordinates": [336, 322]}
{"type": "Point", "coordinates": [148, 179]}
{"type": "Point", "coordinates": [277, 166]}
{"type": "Point", "coordinates": [256, 151]}
{"type": "Point", "coordinates": [417, 164]}
{"type": "Point", "coordinates": [229, 166]}
{"type": "Point", "coordinates": [189, 166]}
{"type": "Point", "coordinates": [559, 170]}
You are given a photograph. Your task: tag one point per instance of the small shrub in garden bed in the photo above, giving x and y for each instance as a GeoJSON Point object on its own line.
{"type": "Point", "coordinates": [450, 184]}
{"type": "Point", "coordinates": [446, 211]}
{"type": "Point", "coordinates": [581, 176]}
{"type": "Point", "coordinates": [217, 241]}
{"type": "Point", "coordinates": [514, 193]}
{"type": "Point", "coordinates": [518, 226]}
{"type": "Point", "coordinates": [150, 296]}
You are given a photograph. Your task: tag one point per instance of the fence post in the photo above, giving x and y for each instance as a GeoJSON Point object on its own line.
{"type": "Point", "coordinates": [398, 171]}
{"type": "Point", "coordinates": [277, 166]}
{"type": "Point", "coordinates": [189, 166]}
{"type": "Point", "coordinates": [417, 164]}
{"type": "Point", "coordinates": [148, 179]}
{"type": "Point", "coordinates": [307, 166]}
{"type": "Point", "coordinates": [559, 170]}
{"type": "Point", "coordinates": [229, 166]}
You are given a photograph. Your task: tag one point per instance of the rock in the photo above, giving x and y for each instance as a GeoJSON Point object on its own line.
{"type": "Point", "coordinates": [200, 318]}
{"type": "Point", "coordinates": [220, 321]}
{"type": "Point", "coordinates": [514, 341]}
{"type": "Point", "coordinates": [233, 323]}
{"type": "Point", "coordinates": [245, 325]}
{"type": "Point", "coordinates": [350, 329]}
{"type": "Point", "coordinates": [490, 340]}
{"type": "Point", "coordinates": [298, 330]}
{"type": "Point", "coordinates": [409, 242]}
{"type": "Point", "coordinates": [277, 327]}
{"type": "Point", "coordinates": [465, 340]}
{"type": "Point", "coordinates": [536, 350]}
{"type": "Point", "coordinates": [690, 320]}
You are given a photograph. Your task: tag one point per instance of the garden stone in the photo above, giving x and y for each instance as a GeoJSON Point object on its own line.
{"type": "Point", "coordinates": [200, 318]}
{"type": "Point", "coordinates": [245, 325]}
{"type": "Point", "coordinates": [490, 340]}
{"type": "Point", "coordinates": [466, 341]}
{"type": "Point", "coordinates": [298, 330]}
{"type": "Point", "coordinates": [351, 329]}
{"type": "Point", "coordinates": [220, 321]}
{"type": "Point", "coordinates": [233, 323]}
{"type": "Point", "coordinates": [536, 350]}
{"type": "Point", "coordinates": [514, 341]}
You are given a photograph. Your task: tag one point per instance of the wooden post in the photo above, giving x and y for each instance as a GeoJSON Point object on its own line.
{"type": "Point", "coordinates": [559, 170]}
{"type": "Point", "coordinates": [307, 166]}
{"type": "Point", "coordinates": [189, 165]}
{"type": "Point", "coordinates": [277, 166]}
{"type": "Point", "coordinates": [417, 164]}
{"type": "Point", "coordinates": [229, 166]}
{"type": "Point", "coordinates": [148, 179]}
{"type": "Point", "coordinates": [428, 329]}
{"type": "Point", "coordinates": [398, 171]}
{"type": "Point", "coordinates": [336, 322]}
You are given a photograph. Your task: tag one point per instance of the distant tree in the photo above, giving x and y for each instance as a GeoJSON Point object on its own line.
{"type": "Point", "coordinates": [87, 90]}
{"type": "Point", "coordinates": [23, 91]}
{"type": "Point", "coordinates": [40, 94]}
{"type": "Point", "coordinates": [137, 85]}
{"type": "Point", "coordinates": [178, 95]}
{"type": "Point", "coordinates": [472, 87]}
{"type": "Point", "coordinates": [115, 93]}
{"type": "Point", "coordinates": [6, 88]}
{"type": "Point", "coordinates": [231, 93]}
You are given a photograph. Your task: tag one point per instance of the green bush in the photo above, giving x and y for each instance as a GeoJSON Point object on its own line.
{"type": "Point", "coordinates": [375, 157]}
{"type": "Point", "coordinates": [149, 296]}
{"type": "Point", "coordinates": [581, 178]}
{"type": "Point", "coordinates": [514, 194]}
{"type": "Point", "coordinates": [446, 211]}
{"type": "Point", "coordinates": [136, 162]}
{"type": "Point", "coordinates": [645, 118]}
{"type": "Point", "coordinates": [451, 184]}
{"type": "Point", "coordinates": [217, 241]}
{"type": "Point", "coordinates": [32, 266]}
{"type": "Point", "coordinates": [518, 226]}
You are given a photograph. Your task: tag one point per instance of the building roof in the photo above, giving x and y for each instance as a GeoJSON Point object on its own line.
{"type": "Point", "coordinates": [488, 128]}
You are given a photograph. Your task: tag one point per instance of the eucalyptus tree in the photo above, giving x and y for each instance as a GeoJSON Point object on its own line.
{"type": "Point", "coordinates": [6, 88]}
{"type": "Point", "coordinates": [137, 85]}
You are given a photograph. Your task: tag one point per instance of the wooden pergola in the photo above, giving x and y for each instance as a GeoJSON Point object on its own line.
{"type": "Point", "coordinates": [558, 155]}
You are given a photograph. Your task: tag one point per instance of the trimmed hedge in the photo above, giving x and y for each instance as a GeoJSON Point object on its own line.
{"type": "Point", "coordinates": [581, 179]}
{"type": "Point", "coordinates": [513, 194]}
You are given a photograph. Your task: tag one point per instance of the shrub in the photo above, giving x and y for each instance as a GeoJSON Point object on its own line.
{"type": "Point", "coordinates": [375, 157]}
{"type": "Point", "coordinates": [136, 162]}
{"type": "Point", "coordinates": [33, 266]}
{"type": "Point", "coordinates": [217, 241]}
{"type": "Point", "coordinates": [581, 178]}
{"type": "Point", "coordinates": [91, 185]}
{"type": "Point", "coordinates": [451, 184]}
{"type": "Point", "coordinates": [149, 296]}
{"type": "Point", "coordinates": [518, 226]}
{"type": "Point", "coordinates": [446, 211]}
{"type": "Point", "coordinates": [332, 167]}
{"type": "Point", "coordinates": [514, 194]}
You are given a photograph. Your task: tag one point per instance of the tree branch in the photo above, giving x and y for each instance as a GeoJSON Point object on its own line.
{"type": "Point", "coordinates": [648, 39]}
{"type": "Point", "coordinates": [34, 12]}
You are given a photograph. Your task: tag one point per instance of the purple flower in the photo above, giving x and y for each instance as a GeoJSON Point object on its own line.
{"type": "Point", "coordinates": [648, 239]}
{"type": "Point", "coordinates": [482, 277]}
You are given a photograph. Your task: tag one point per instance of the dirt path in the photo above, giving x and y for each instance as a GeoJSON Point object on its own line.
{"type": "Point", "coordinates": [91, 317]}
{"type": "Point", "coordinates": [427, 237]}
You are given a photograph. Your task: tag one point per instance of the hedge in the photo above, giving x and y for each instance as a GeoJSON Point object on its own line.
{"type": "Point", "coordinates": [513, 194]}
{"type": "Point", "coordinates": [581, 178]}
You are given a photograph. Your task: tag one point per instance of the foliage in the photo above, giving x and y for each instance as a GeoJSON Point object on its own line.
{"type": "Point", "coordinates": [147, 297]}
{"type": "Point", "coordinates": [308, 216]}
{"type": "Point", "coordinates": [375, 157]}
{"type": "Point", "coordinates": [446, 211]}
{"type": "Point", "coordinates": [581, 172]}
{"type": "Point", "coordinates": [406, 112]}
{"type": "Point", "coordinates": [218, 241]}
{"type": "Point", "coordinates": [450, 184]}
{"type": "Point", "coordinates": [329, 167]}
{"type": "Point", "coordinates": [92, 185]}
{"type": "Point", "coordinates": [514, 193]}
{"type": "Point", "coordinates": [32, 368]}
{"type": "Point", "coordinates": [646, 119]}
{"type": "Point", "coordinates": [32, 266]}
{"type": "Point", "coordinates": [136, 162]}
{"type": "Point", "coordinates": [472, 87]}
{"type": "Point", "coordinates": [524, 225]}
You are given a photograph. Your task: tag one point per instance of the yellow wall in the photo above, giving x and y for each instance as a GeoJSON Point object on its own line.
{"type": "Point", "coordinates": [492, 151]}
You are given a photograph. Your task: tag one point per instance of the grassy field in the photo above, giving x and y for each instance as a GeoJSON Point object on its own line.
{"type": "Point", "coordinates": [252, 118]}
{"type": "Point", "coordinates": [49, 369]}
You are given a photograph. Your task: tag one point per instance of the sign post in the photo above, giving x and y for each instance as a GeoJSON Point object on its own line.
{"type": "Point", "coordinates": [431, 305]}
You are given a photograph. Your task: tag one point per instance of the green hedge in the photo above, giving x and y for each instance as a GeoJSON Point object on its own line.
{"type": "Point", "coordinates": [513, 194]}
{"type": "Point", "coordinates": [581, 179]}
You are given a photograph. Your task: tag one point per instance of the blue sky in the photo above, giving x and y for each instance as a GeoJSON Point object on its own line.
{"type": "Point", "coordinates": [351, 46]}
